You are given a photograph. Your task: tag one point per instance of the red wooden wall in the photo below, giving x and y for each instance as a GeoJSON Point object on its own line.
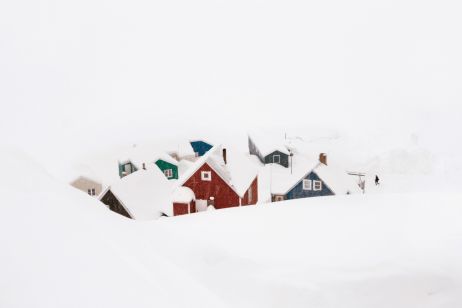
{"type": "Point", "coordinates": [182, 208]}
{"type": "Point", "coordinates": [223, 194]}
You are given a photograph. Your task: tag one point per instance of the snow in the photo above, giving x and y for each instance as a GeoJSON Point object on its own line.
{"type": "Point", "coordinates": [144, 194]}
{"type": "Point", "coordinates": [337, 178]}
{"type": "Point", "coordinates": [342, 251]}
{"type": "Point", "coordinates": [267, 143]}
{"type": "Point", "coordinates": [183, 195]}
{"type": "Point", "coordinates": [374, 84]}
{"type": "Point", "coordinates": [63, 248]}
{"type": "Point", "coordinates": [239, 172]}
{"type": "Point", "coordinates": [145, 154]}
{"type": "Point", "coordinates": [183, 166]}
{"type": "Point", "coordinates": [283, 179]}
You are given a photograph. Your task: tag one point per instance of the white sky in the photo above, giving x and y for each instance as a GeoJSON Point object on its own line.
{"type": "Point", "coordinates": [82, 75]}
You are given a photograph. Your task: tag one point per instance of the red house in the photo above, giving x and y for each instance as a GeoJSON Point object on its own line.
{"type": "Point", "coordinates": [221, 181]}
{"type": "Point", "coordinates": [183, 201]}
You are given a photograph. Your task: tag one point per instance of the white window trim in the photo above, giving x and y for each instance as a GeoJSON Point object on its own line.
{"type": "Point", "coordinates": [206, 175]}
{"type": "Point", "coordinates": [279, 159]}
{"type": "Point", "coordinates": [168, 173]}
{"type": "Point", "coordinates": [307, 184]}
{"type": "Point", "coordinates": [128, 168]}
{"type": "Point", "coordinates": [317, 185]}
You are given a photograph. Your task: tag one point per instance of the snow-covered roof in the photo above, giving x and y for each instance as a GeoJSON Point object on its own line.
{"type": "Point", "coordinates": [140, 155]}
{"type": "Point", "coordinates": [239, 172]}
{"type": "Point", "coordinates": [267, 143]}
{"type": "Point", "coordinates": [82, 171]}
{"type": "Point", "coordinates": [183, 195]}
{"type": "Point", "coordinates": [182, 147]}
{"type": "Point", "coordinates": [87, 178]}
{"type": "Point", "coordinates": [200, 140]}
{"type": "Point", "coordinates": [283, 179]}
{"type": "Point", "coordinates": [183, 166]}
{"type": "Point", "coordinates": [144, 194]}
{"type": "Point", "coordinates": [335, 177]}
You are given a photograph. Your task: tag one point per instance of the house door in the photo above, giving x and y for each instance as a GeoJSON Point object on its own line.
{"type": "Point", "coordinates": [201, 205]}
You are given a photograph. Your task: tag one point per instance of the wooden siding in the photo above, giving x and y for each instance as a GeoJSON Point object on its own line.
{"type": "Point", "coordinates": [122, 169]}
{"type": "Point", "coordinates": [163, 165]}
{"type": "Point", "coordinates": [200, 147]}
{"type": "Point", "coordinates": [184, 208]}
{"type": "Point", "coordinates": [268, 159]}
{"type": "Point", "coordinates": [298, 192]}
{"type": "Point", "coordinates": [254, 188]}
{"type": "Point", "coordinates": [284, 158]}
{"type": "Point", "coordinates": [224, 196]}
{"type": "Point", "coordinates": [114, 204]}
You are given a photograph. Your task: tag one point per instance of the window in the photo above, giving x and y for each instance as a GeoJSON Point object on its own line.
{"type": "Point", "coordinates": [306, 184]}
{"type": "Point", "coordinates": [277, 158]}
{"type": "Point", "coordinates": [206, 176]}
{"type": "Point", "coordinates": [128, 168]}
{"type": "Point", "coordinates": [250, 196]}
{"type": "Point", "coordinates": [91, 192]}
{"type": "Point", "coordinates": [317, 185]}
{"type": "Point", "coordinates": [278, 198]}
{"type": "Point", "coordinates": [168, 173]}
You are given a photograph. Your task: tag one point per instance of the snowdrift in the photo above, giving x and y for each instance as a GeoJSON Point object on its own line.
{"type": "Point", "coordinates": [61, 248]}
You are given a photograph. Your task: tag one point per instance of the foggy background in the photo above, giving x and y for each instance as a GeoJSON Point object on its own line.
{"type": "Point", "coordinates": [78, 77]}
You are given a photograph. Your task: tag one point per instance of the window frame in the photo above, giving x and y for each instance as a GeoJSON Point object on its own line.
{"type": "Point", "coordinates": [315, 185]}
{"type": "Point", "coordinates": [208, 176]}
{"type": "Point", "coordinates": [168, 173]}
{"type": "Point", "coordinates": [307, 184]}
{"type": "Point", "coordinates": [279, 158]}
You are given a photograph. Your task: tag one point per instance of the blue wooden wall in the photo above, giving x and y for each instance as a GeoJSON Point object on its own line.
{"type": "Point", "coordinates": [200, 147]}
{"type": "Point", "coordinates": [298, 191]}
{"type": "Point", "coordinates": [284, 158]}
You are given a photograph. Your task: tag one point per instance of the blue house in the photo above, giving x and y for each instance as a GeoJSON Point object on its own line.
{"type": "Point", "coordinates": [311, 178]}
{"type": "Point", "coordinates": [268, 151]}
{"type": "Point", "coordinates": [200, 147]}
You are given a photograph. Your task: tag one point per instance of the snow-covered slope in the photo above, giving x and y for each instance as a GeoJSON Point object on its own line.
{"type": "Point", "coordinates": [61, 248]}
{"type": "Point", "coordinates": [347, 251]}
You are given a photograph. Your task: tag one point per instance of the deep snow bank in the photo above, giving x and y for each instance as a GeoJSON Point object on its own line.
{"type": "Point", "coordinates": [61, 248]}
{"type": "Point", "coordinates": [397, 250]}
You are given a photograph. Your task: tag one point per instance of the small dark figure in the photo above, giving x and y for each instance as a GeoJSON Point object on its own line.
{"type": "Point", "coordinates": [377, 181]}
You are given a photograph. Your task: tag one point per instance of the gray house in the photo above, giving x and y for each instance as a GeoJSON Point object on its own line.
{"type": "Point", "coordinates": [268, 151]}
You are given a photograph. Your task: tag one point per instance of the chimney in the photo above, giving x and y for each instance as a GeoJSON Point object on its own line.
{"type": "Point", "coordinates": [224, 156]}
{"type": "Point", "coordinates": [323, 158]}
{"type": "Point", "coordinates": [144, 166]}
